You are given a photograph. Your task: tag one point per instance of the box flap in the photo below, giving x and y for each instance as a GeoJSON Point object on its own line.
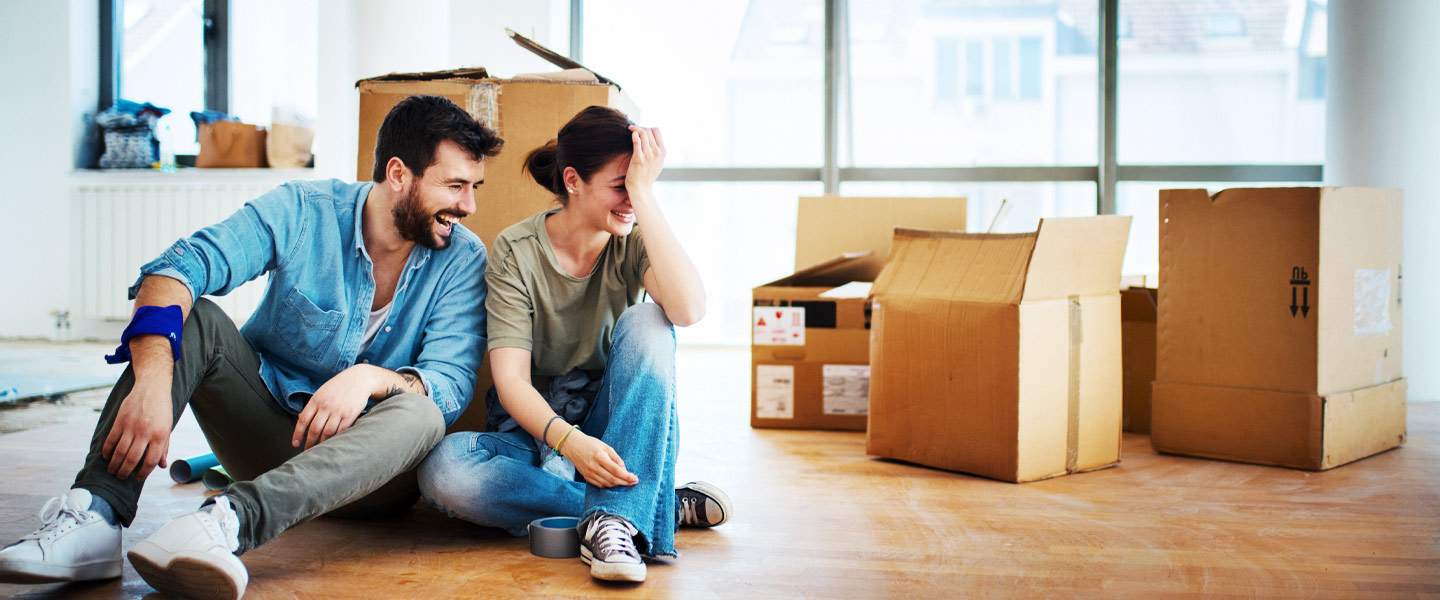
{"type": "Point", "coordinates": [829, 225]}
{"type": "Point", "coordinates": [952, 265]}
{"type": "Point", "coordinates": [552, 57]}
{"type": "Point", "coordinates": [461, 73]}
{"type": "Point", "coordinates": [1137, 304]}
{"type": "Point", "coordinates": [833, 272]}
{"type": "Point", "coordinates": [1077, 257]}
{"type": "Point", "coordinates": [569, 75]}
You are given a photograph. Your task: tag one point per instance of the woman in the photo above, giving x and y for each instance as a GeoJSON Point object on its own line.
{"type": "Point", "coordinates": [584, 371]}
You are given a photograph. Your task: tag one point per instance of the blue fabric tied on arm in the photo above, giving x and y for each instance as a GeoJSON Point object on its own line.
{"type": "Point", "coordinates": [167, 321]}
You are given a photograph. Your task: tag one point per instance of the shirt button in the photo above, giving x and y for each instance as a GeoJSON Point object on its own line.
{"type": "Point", "coordinates": [365, 361]}
{"type": "Point", "coordinates": [387, 328]}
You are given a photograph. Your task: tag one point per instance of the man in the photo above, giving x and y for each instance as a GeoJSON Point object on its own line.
{"type": "Point", "coordinates": [362, 351]}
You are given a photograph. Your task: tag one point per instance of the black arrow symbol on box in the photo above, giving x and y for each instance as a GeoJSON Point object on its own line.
{"type": "Point", "coordinates": [1305, 306]}
{"type": "Point", "coordinates": [1293, 306]}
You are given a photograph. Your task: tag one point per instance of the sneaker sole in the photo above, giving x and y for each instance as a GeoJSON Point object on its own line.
{"type": "Point", "coordinates": [631, 572]}
{"type": "Point", "coordinates": [721, 498]}
{"type": "Point", "coordinates": [19, 571]}
{"type": "Point", "coordinates": [184, 574]}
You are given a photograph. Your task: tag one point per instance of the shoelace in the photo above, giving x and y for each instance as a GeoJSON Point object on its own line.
{"type": "Point", "coordinates": [613, 537]}
{"type": "Point", "coordinates": [688, 516]}
{"type": "Point", "coordinates": [56, 517]}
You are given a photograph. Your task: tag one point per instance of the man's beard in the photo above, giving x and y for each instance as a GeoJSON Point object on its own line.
{"type": "Point", "coordinates": [415, 225]}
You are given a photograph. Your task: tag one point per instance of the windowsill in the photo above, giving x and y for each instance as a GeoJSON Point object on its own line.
{"type": "Point", "coordinates": [187, 175]}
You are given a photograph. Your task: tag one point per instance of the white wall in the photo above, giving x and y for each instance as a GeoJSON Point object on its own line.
{"type": "Point", "coordinates": [50, 70]}
{"type": "Point", "coordinates": [1383, 122]}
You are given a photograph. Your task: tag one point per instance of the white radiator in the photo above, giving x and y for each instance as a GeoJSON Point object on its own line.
{"type": "Point", "coordinates": [128, 222]}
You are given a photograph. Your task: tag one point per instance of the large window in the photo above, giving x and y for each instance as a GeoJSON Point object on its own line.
{"type": "Point", "coordinates": [729, 82]}
{"type": "Point", "coordinates": [967, 83]}
{"type": "Point", "coordinates": [252, 59]}
{"type": "Point", "coordinates": [162, 61]}
{"type": "Point", "coordinates": [1222, 83]}
{"type": "Point", "coordinates": [994, 100]}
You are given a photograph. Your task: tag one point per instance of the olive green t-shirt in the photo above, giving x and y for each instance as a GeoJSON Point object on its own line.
{"type": "Point", "coordinates": [564, 321]}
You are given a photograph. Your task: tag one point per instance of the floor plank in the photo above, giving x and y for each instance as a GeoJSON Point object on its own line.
{"type": "Point", "coordinates": [818, 518]}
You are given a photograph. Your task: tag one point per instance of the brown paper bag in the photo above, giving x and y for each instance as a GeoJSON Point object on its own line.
{"type": "Point", "coordinates": [231, 144]}
{"type": "Point", "coordinates": [288, 146]}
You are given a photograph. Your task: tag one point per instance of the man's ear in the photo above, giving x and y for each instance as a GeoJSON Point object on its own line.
{"type": "Point", "coordinates": [397, 174]}
{"type": "Point", "coordinates": [571, 178]}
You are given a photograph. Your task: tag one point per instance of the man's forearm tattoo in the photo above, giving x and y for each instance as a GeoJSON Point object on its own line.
{"type": "Point", "coordinates": [411, 382]}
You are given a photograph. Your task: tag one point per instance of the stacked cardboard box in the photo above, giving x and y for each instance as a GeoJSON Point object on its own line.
{"type": "Point", "coordinates": [1279, 325]}
{"type": "Point", "coordinates": [527, 112]}
{"type": "Point", "coordinates": [999, 355]}
{"type": "Point", "coordinates": [811, 344]}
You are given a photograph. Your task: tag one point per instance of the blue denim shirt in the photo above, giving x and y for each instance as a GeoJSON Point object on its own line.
{"type": "Point", "coordinates": [311, 322]}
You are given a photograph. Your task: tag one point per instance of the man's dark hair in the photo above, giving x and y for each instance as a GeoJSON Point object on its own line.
{"type": "Point", "coordinates": [415, 127]}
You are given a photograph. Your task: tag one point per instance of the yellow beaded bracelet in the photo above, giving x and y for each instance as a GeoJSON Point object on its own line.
{"type": "Point", "coordinates": [562, 439]}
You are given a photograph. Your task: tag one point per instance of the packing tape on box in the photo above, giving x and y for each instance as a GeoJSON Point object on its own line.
{"type": "Point", "coordinates": [190, 469]}
{"type": "Point", "coordinates": [1072, 426]}
{"type": "Point", "coordinates": [554, 537]}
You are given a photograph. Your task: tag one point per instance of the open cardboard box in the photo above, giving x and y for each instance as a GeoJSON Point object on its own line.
{"type": "Point", "coordinates": [999, 354]}
{"type": "Point", "coordinates": [811, 343]}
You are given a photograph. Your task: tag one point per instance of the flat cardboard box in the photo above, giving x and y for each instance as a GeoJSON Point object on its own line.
{"type": "Point", "coordinates": [1278, 328]}
{"type": "Point", "coordinates": [999, 354]}
{"type": "Point", "coordinates": [812, 370]}
{"type": "Point", "coordinates": [1137, 346]}
{"type": "Point", "coordinates": [527, 111]}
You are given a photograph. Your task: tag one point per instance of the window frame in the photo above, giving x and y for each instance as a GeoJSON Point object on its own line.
{"type": "Point", "coordinates": [216, 38]}
{"type": "Point", "coordinates": [1105, 175]}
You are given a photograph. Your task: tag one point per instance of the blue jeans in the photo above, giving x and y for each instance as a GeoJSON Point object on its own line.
{"type": "Point", "coordinates": [494, 479]}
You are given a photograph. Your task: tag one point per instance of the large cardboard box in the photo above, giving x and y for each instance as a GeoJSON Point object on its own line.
{"type": "Point", "coordinates": [527, 111]}
{"type": "Point", "coordinates": [1279, 325]}
{"type": "Point", "coordinates": [999, 355]}
{"type": "Point", "coordinates": [1137, 346]}
{"type": "Point", "coordinates": [811, 345]}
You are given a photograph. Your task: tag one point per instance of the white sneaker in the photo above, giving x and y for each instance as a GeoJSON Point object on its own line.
{"type": "Point", "coordinates": [608, 546]}
{"type": "Point", "coordinates": [73, 543]}
{"type": "Point", "coordinates": [193, 556]}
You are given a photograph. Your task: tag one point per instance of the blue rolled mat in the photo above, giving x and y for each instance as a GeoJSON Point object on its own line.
{"type": "Point", "coordinates": [193, 468]}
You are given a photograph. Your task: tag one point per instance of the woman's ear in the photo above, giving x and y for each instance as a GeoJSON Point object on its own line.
{"type": "Point", "coordinates": [572, 179]}
{"type": "Point", "coordinates": [396, 174]}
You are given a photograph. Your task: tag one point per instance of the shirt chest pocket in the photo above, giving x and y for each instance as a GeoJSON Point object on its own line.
{"type": "Point", "coordinates": [312, 331]}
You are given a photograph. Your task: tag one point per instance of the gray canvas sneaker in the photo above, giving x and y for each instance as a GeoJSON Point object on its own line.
{"type": "Point", "coordinates": [702, 504]}
{"type": "Point", "coordinates": [608, 546]}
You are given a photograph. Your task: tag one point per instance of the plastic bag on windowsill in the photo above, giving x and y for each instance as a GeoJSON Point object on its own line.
{"type": "Point", "coordinates": [129, 132]}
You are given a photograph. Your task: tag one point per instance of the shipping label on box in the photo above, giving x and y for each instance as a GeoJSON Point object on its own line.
{"type": "Point", "coordinates": [846, 389]}
{"type": "Point", "coordinates": [775, 391]}
{"type": "Point", "coordinates": [779, 326]}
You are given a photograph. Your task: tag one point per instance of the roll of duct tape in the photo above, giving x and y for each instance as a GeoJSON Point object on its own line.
{"type": "Point", "coordinates": [554, 537]}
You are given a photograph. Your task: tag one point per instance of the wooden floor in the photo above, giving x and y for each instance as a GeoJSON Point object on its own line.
{"type": "Point", "coordinates": [818, 518]}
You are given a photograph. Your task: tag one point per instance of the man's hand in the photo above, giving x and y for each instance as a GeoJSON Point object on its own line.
{"type": "Point", "coordinates": [140, 436]}
{"type": "Point", "coordinates": [597, 461]}
{"type": "Point", "coordinates": [335, 406]}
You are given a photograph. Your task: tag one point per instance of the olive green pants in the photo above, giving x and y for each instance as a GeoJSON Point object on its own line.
{"type": "Point", "coordinates": [366, 470]}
